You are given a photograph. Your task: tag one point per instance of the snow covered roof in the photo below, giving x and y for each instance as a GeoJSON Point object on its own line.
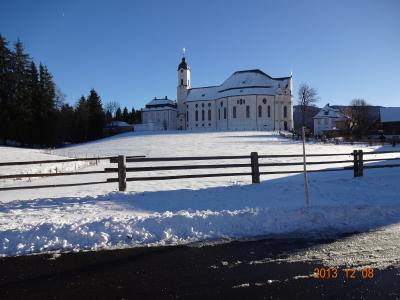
{"type": "Point", "coordinates": [329, 112]}
{"type": "Point", "coordinates": [160, 101]}
{"type": "Point", "coordinates": [390, 114]}
{"type": "Point", "coordinates": [254, 82]}
{"type": "Point", "coordinates": [118, 124]}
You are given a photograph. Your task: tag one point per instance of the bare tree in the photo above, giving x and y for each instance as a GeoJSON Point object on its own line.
{"type": "Point", "coordinates": [112, 107]}
{"type": "Point", "coordinates": [360, 117]}
{"type": "Point", "coordinates": [308, 96]}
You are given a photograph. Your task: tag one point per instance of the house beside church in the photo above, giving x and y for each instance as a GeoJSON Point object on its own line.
{"type": "Point", "coordinates": [327, 119]}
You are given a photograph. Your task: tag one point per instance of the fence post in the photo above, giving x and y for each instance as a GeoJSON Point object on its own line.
{"type": "Point", "coordinates": [360, 163]}
{"type": "Point", "coordinates": [122, 173]}
{"type": "Point", "coordinates": [355, 164]}
{"type": "Point", "coordinates": [255, 171]}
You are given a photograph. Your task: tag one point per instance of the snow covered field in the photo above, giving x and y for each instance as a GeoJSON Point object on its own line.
{"type": "Point", "coordinates": [191, 210]}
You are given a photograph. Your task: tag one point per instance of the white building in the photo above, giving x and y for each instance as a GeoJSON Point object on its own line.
{"type": "Point", "coordinates": [159, 114]}
{"type": "Point", "coordinates": [247, 100]}
{"type": "Point", "coordinates": [327, 119]}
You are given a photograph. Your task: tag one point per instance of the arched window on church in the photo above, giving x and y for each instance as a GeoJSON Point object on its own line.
{"type": "Point", "coordinates": [225, 113]}
{"type": "Point", "coordinates": [269, 111]}
{"type": "Point", "coordinates": [187, 116]}
{"type": "Point", "coordinates": [209, 115]}
{"type": "Point", "coordinates": [202, 115]}
{"type": "Point", "coordinates": [234, 112]}
{"type": "Point", "coordinates": [285, 111]}
{"type": "Point", "coordinates": [181, 81]}
{"type": "Point", "coordinates": [197, 115]}
{"type": "Point", "coordinates": [259, 111]}
{"type": "Point", "coordinates": [247, 111]}
{"type": "Point", "coordinates": [219, 114]}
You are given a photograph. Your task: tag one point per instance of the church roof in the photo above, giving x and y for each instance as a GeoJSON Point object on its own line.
{"type": "Point", "coordinates": [161, 102]}
{"type": "Point", "coordinates": [246, 82]}
{"type": "Point", "coordinates": [183, 64]}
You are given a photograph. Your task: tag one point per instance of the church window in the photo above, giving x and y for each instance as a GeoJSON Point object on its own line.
{"type": "Point", "coordinates": [222, 103]}
{"type": "Point", "coordinates": [225, 113]}
{"type": "Point", "coordinates": [181, 81]}
{"type": "Point", "coordinates": [244, 101]}
{"type": "Point", "coordinates": [265, 101]}
{"type": "Point", "coordinates": [247, 111]}
{"type": "Point", "coordinates": [285, 111]}
{"type": "Point", "coordinates": [209, 104]}
{"type": "Point", "coordinates": [197, 115]}
{"type": "Point", "coordinates": [209, 124]}
{"type": "Point", "coordinates": [259, 111]}
{"type": "Point", "coordinates": [202, 115]}
{"type": "Point", "coordinates": [202, 105]}
{"type": "Point", "coordinates": [237, 102]}
{"type": "Point", "coordinates": [234, 112]}
{"type": "Point", "coordinates": [269, 111]}
{"type": "Point", "coordinates": [187, 116]}
{"type": "Point", "coordinates": [197, 105]}
{"type": "Point", "coordinates": [202, 125]}
{"type": "Point", "coordinates": [209, 115]}
{"type": "Point", "coordinates": [219, 114]}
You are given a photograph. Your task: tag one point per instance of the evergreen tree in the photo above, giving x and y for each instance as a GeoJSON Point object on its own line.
{"type": "Point", "coordinates": [6, 95]}
{"type": "Point", "coordinates": [132, 114]}
{"type": "Point", "coordinates": [46, 117]}
{"type": "Point", "coordinates": [22, 115]}
{"type": "Point", "coordinates": [66, 124]}
{"type": "Point", "coordinates": [81, 121]}
{"type": "Point", "coordinates": [125, 115]}
{"type": "Point", "coordinates": [96, 116]}
{"type": "Point", "coordinates": [118, 114]}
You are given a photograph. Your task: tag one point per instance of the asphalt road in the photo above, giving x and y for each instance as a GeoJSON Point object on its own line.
{"type": "Point", "coordinates": [229, 270]}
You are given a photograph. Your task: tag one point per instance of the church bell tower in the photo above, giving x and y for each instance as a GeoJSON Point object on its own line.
{"type": "Point", "coordinates": [182, 90]}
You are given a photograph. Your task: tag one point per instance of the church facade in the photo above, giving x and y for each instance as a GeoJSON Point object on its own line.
{"type": "Point", "coordinates": [247, 100]}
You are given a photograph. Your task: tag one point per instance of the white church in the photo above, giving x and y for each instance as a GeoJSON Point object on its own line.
{"type": "Point", "coordinates": [247, 100]}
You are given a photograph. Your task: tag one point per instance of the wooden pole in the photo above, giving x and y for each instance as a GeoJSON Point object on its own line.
{"type": "Point", "coordinates": [122, 173]}
{"type": "Point", "coordinates": [360, 163]}
{"type": "Point", "coordinates": [305, 167]}
{"type": "Point", "coordinates": [355, 163]}
{"type": "Point", "coordinates": [255, 171]}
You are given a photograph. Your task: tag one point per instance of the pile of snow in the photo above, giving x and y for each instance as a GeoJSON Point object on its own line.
{"type": "Point", "coordinates": [184, 211]}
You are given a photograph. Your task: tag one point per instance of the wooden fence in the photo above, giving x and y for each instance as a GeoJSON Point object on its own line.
{"type": "Point", "coordinates": [356, 163]}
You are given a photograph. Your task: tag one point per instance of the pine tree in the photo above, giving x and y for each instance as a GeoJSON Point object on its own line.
{"type": "Point", "coordinates": [125, 115]}
{"type": "Point", "coordinates": [96, 116]}
{"type": "Point", "coordinates": [46, 119]}
{"type": "Point", "coordinates": [22, 115]}
{"type": "Point", "coordinates": [66, 124]}
{"type": "Point", "coordinates": [81, 121]}
{"type": "Point", "coordinates": [132, 115]}
{"type": "Point", "coordinates": [118, 114]}
{"type": "Point", "coordinates": [6, 96]}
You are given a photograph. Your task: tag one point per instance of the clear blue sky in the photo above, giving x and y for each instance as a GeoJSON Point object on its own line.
{"type": "Point", "coordinates": [129, 50]}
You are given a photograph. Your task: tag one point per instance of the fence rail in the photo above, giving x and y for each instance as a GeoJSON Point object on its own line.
{"type": "Point", "coordinates": [356, 164]}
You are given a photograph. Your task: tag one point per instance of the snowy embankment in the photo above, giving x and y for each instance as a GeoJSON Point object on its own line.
{"type": "Point", "coordinates": [183, 211]}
